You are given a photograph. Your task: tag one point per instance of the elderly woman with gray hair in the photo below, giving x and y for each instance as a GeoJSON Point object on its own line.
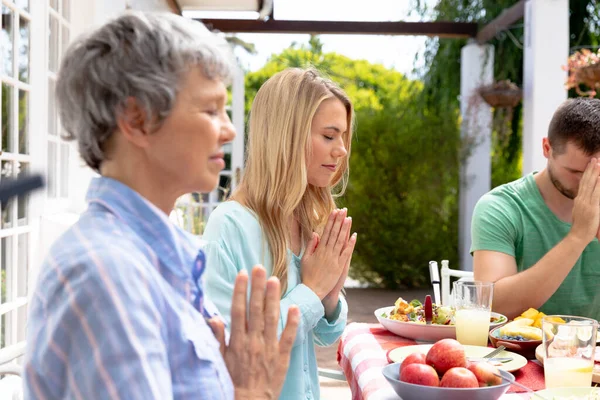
{"type": "Point", "coordinates": [117, 312]}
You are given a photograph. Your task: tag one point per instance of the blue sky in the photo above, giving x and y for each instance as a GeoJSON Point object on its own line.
{"type": "Point", "coordinates": [396, 52]}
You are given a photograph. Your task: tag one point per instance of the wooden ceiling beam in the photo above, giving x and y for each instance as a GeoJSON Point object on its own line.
{"type": "Point", "coordinates": [507, 18]}
{"type": "Point", "coordinates": [440, 29]}
{"type": "Point", "coordinates": [174, 6]}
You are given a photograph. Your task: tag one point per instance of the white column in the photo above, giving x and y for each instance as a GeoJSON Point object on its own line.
{"type": "Point", "coordinates": [476, 69]}
{"type": "Point", "coordinates": [546, 50]}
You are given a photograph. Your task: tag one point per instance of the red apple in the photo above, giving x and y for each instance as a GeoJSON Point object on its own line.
{"type": "Point", "coordinates": [420, 374]}
{"type": "Point", "coordinates": [446, 354]}
{"type": "Point", "coordinates": [414, 358]}
{"type": "Point", "coordinates": [484, 372]}
{"type": "Point", "coordinates": [459, 377]}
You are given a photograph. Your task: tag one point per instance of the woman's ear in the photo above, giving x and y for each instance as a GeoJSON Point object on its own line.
{"type": "Point", "coordinates": [134, 123]}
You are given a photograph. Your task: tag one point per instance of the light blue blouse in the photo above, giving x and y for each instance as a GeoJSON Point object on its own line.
{"type": "Point", "coordinates": [234, 241]}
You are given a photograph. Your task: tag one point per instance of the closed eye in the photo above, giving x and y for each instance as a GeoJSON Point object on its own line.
{"type": "Point", "coordinates": [328, 137]}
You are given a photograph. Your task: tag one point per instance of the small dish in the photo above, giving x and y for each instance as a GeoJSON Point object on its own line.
{"type": "Point", "coordinates": [409, 391]}
{"type": "Point", "coordinates": [497, 320]}
{"type": "Point", "coordinates": [524, 347]}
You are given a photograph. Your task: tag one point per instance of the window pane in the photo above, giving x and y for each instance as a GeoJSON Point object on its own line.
{"type": "Point", "coordinates": [64, 170]}
{"type": "Point", "coordinates": [51, 108]}
{"type": "Point", "coordinates": [227, 159]}
{"type": "Point", "coordinates": [23, 4]}
{"type": "Point", "coordinates": [5, 296]}
{"type": "Point", "coordinates": [23, 276]}
{"type": "Point", "coordinates": [52, 169]}
{"type": "Point", "coordinates": [224, 187]}
{"type": "Point", "coordinates": [6, 172]}
{"type": "Point", "coordinates": [22, 201]}
{"type": "Point", "coordinates": [7, 117]}
{"type": "Point", "coordinates": [200, 218]}
{"type": "Point", "coordinates": [24, 49]}
{"type": "Point", "coordinates": [23, 243]}
{"type": "Point", "coordinates": [53, 44]}
{"type": "Point", "coordinates": [23, 122]}
{"type": "Point", "coordinates": [65, 39]}
{"type": "Point", "coordinates": [6, 41]}
{"type": "Point", "coordinates": [4, 245]}
{"type": "Point", "coordinates": [66, 9]}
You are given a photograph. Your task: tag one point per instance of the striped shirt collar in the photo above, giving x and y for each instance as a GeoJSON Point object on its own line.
{"type": "Point", "coordinates": [174, 247]}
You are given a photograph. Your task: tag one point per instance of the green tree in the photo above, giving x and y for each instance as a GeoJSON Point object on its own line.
{"type": "Point", "coordinates": [402, 193]}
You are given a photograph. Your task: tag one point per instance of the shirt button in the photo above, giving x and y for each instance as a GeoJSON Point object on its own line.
{"type": "Point", "coordinates": [305, 367]}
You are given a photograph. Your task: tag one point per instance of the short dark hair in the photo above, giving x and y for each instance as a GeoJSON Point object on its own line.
{"type": "Point", "coordinates": [576, 121]}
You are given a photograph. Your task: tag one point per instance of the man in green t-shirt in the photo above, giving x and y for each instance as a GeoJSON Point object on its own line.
{"type": "Point", "coordinates": [537, 237]}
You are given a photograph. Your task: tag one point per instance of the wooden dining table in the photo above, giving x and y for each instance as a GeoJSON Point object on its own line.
{"type": "Point", "coordinates": [362, 353]}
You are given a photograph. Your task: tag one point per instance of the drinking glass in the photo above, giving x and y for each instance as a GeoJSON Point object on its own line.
{"type": "Point", "coordinates": [473, 307]}
{"type": "Point", "coordinates": [568, 344]}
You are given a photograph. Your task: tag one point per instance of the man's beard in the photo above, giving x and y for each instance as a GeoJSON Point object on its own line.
{"type": "Point", "coordinates": [559, 186]}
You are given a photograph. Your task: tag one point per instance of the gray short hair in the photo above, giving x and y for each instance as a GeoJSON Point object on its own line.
{"type": "Point", "coordinates": [140, 55]}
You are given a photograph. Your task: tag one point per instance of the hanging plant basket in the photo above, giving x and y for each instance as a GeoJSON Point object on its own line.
{"type": "Point", "coordinates": [583, 68]}
{"type": "Point", "coordinates": [589, 75]}
{"type": "Point", "coordinates": [502, 94]}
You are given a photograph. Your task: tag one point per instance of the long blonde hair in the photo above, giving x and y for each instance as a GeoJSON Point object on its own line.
{"type": "Point", "coordinates": [275, 185]}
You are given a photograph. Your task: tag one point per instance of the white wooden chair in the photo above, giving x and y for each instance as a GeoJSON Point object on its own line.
{"type": "Point", "coordinates": [441, 287]}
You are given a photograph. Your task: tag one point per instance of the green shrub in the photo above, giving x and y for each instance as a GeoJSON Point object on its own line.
{"type": "Point", "coordinates": [403, 194]}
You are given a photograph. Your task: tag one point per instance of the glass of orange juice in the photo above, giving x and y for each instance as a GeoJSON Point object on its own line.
{"type": "Point", "coordinates": [569, 344]}
{"type": "Point", "coordinates": [473, 307]}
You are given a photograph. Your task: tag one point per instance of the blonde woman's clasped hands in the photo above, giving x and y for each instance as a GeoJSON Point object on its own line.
{"type": "Point", "coordinates": [326, 260]}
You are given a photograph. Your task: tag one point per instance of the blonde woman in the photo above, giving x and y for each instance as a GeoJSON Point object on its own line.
{"type": "Point", "coordinates": [283, 213]}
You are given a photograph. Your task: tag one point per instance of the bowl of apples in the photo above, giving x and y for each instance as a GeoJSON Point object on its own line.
{"type": "Point", "coordinates": [444, 374]}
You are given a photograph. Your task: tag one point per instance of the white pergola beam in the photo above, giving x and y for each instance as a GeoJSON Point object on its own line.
{"type": "Point", "coordinates": [546, 50]}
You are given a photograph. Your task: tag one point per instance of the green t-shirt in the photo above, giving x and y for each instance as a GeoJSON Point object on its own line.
{"type": "Point", "coordinates": [514, 219]}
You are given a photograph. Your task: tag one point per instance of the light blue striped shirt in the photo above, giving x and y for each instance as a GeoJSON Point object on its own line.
{"type": "Point", "coordinates": [111, 316]}
{"type": "Point", "coordinates": [234, 241]}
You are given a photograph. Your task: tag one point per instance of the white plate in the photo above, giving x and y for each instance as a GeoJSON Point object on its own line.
{"type": "Point", "coordinates": [568, 392]}
{"type": "Point", "coordinates": [416, 331]}
{"type": "Point", "coordinates": [518, 361]}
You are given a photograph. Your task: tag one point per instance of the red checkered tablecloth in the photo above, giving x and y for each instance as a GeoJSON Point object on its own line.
{"type": "Point", "coordinates": [362, 353]}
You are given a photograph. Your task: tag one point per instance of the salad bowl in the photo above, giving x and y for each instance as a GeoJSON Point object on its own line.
{"type": "Point", "coordinates": [413, 326]}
